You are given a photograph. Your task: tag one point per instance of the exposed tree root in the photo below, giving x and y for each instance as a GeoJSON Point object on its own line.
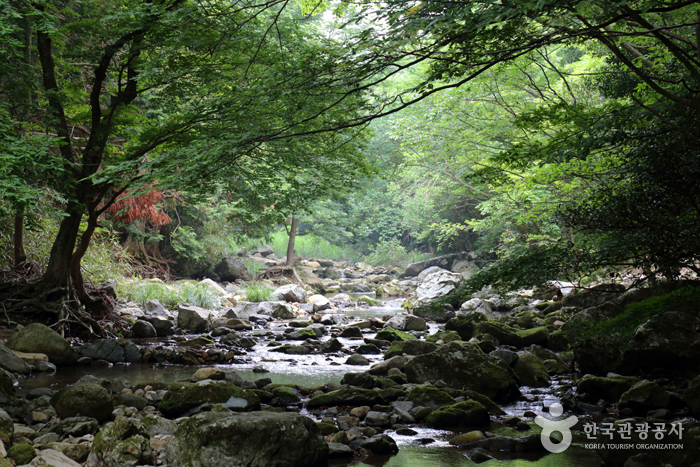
{"type": "Point", "coordinates": [277, 272]}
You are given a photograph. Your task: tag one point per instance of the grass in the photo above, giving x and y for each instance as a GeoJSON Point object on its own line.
{"type": "Point", "coordinates": [169, 295]}
{"type": "Point", "coordinates": [258, 292]}
{"type": "Point", "coordinates": [309, 246]}
{"type": "Point", "coordinates": [392, 253]}
{"type": "Point", "coordinates": [253, 266]}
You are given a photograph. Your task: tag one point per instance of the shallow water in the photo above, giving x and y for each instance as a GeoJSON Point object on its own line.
{"type": "Point", "coordinates": [315, 370]}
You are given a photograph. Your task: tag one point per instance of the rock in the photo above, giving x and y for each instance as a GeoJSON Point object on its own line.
{"type": "Point", "coordinates": [208, 373]}
{"type": "Point", "coordinates": [531, 371]}
{"type": "Point", "coordinates": [437, 289]}
{"type": "Point", "coordinates": [187, 397]}
{"type": "Point", "coordinates": [479, 455]}
{"type": "Point", "coordinates": [31, 358]}
{"type": "Point", "coordinates": [464, 325]}
{"type": "Point", "coordinates": [477, 305]}
{"type": "Point", "coordinates": [382, 445]}
{"type": "Point", "coordinates": [468, 413]}
{"type": "Point", "coordinates": [52, 458]}
{"type": "Point", "coordinates": [7, 428]}
{"type": "Point", "coordinates": [319, 303]}
{"type": "Point", "coordinates": [463, 365]}
{"type": "Point", "coordinates": [76, 427]}
{"type": "Point", "coordinates": [11, 362]}
{"type": "Point", "coordinates": [590, 297]}
{"type": "Point", "coordinates": [291, 293]}
{"type": "Point", "coordinates": [444, 262]}
{"type": "Point", "coordinates": [339, 450]}
{"type": "Point", "coordinates": [378, 419]}
{"type": "Point", "coordinates": [406, 323]}
{"type": "Point", "coordinates": [534, 336]}
{"type": "Point", "coordinates": [357, 359]}
{"type": "Point", "coordinates": [162, 325]}
{"type": "Point", "coordinates": [331, 273]}
{"type": "Point", "coordinates": [153, 309]}
{"type": "Point", "coordinates": [369, 349]}
{"type": "Point", "coordinates": [125, 442]}
{"type": "Point", "coordinates": [409, 347]}
{"type": "Point", "coordinates": [465, 268]}
{"type": "Point", "coordinates": [89, 400]}
{"type": "Point", "coordinates": [257, 439]}
{"type": "Point", "coordinates": [264, 251]}
{"type": "Point", "coordinates": [286, 396]}
{"type": "Point", "coordinates": [232, 268]}
{"type": "Point", "coordinates": [444, 336]}
{"type": "Point", "coordinates": [507, 356]}
{"type": "Point", "coordinates": [608, 388]}
{"type": "Point", "coordinates": [347, 396]}
{"type": "Point", "coordinates": [391, 335]}
{"type": "Point", "coordinates": [193, 318]}
{"type": "Point", "coordinates": [644, 396]}
{"type": "Point", "coordinates": [104, 349]}
{"type": "Point", "coordinates": [429, 396]}
{"type": "Point", "coordinates": [37, 338]}
{"type": "Point", "coordinates": [77, 452]}
{"type": "Point", "coordinates": [383, 368]}
{"type": "Point", "coordinates": [144, 329]}
{"type": "Point", "coordinates": [466, 438]}
{"type": "Point", "coordinates": [280, 310]}
{"type": "Point", "coordinates": [502, 332]}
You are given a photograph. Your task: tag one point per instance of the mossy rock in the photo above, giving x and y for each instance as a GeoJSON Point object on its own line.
{"type": "Point", "coordinates": [327, 428]}
{"type": "Point", "coordinates": [430, 396]}
{"type": "Point", "coordinates": [490, 405]}
{"type": "Point", "coordinates": [542, 306]}
{"type": "Point", "coordinates": [444, 336]}
{"type": "Point", "coordinates": [369, 301]}
{"type": "Point", "coordinates": [608, 388]}
{"type": "Point", "coordinates": [125, 442]}
{"type": "Point", "coordinates": [464, 325]}
{"type": "Point", "coordinates": [264, 396]}
{"type": "Point", "coordinates": [292, 349]}
{"type": "Point", "coordinates": [176, 402]}
{"type": "Point", "coordinates": [505, 334]}
{"type": "Point", "coordinates": [391, 335]}
{"type": "Point", "coordinates": [461, 414]}
{"type": "Point", "coordinates": [22, 453]}
{"type": "Point", "coordinates": [361, 380]}
{"type": "Point", "coordinates": [303, 334]}
{"type": "Point", "coordinates": [531, 371]}
{"type": "Point", "coordinates": [196, 342]}
{"type": "Point", "coordinates": [534, 336]}
{"type": "Point", "coordinates": [38, 338]}
{"type": "Point", "coordinates": [410, 347]}
{"type": "Point", "coordinates": [287, 396]}
{"type": "Point", "coordinates": [392, 394]}
{"type": "Point", "coordinates": [558, 341]}
{"type": "Point", "coordinates": [89, 400]}
{"type": "Point", "coordinates": [346, 396]}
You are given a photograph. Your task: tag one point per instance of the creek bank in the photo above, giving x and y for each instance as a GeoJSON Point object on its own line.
{"type": "Point", "coordinates": [408, 383]}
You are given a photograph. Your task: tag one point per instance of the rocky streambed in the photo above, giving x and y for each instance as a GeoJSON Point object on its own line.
{"type": "Point", "coordinates": [296, 383]}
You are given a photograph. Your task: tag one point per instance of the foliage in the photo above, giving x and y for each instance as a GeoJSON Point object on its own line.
{"type": "Point", "coordinates": [253, 266]}
{"type": "Point", "coordinates": [307, 246]}
{"type": "Point", "coordinates": [391, 253]}
{"type": "Point", "coordinates": [169, 295]}
{"type": "Point", "coordinates": [258, 292]}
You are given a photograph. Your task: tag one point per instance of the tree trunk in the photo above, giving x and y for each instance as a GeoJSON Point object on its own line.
{"type": "Point", "coordinates": [75, 272]}
{"type": "Point", "coordinates": [58, 271]}
{"type": "Point", "coordinates": [20, 253]}
{"type": "Point", "coordinates": [291, 255]}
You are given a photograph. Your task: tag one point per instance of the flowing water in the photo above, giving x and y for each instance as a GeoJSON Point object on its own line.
{"type": "Point", "coordinates": [314, 370]}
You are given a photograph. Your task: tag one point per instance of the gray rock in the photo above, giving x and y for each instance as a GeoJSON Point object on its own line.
{"type": "Point", "coordinates": [267, 309]}
{"type": "Point", "coordinates": [357, 359]}
{"type": "Point", "coordinates": [339, 450]}
{"type": "Point", "coordinates": [256, 439]}
{"type": "Point", "coordinates": [437, 289]}
{"type": "Point", "coordinates": [193, 318]}
{"type": "Point", "coordinates": [382, 445]}
{"type": "Point", "coordinates": [153, 309]}
{"type": "Point", "coordinates": [507, 356]}
{"type": "Point", "coordinates": [444, 262]}
{"type": "Point", "coordinates": [11, 362]}
{"type": "Point", "coordinates": [143, 329]}
{"type": "Point", "coordinates": [53, 458]}
{"type": "Point", "coordinates": [104, 349]}
{"type": "Point", "coordinates": [380, 419]}
{"type": "Point", "coordinates": [76, 427]}
{"type": "Point", "coordinates": [37, 338]}
{"type": "Point", "coordinates": [89, 400]}
{"type": "Point", "coordinates": [463, 365]}
{"type": "Point", "coordinates": [162, 325]}
{"type": "Point", "coordinates": [230, 269]}
{"type": "Point", "coordinates": [291, 293]}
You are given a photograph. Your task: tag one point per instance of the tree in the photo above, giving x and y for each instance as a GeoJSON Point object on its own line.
{"type": "Point", "coordinates": [180, 92]}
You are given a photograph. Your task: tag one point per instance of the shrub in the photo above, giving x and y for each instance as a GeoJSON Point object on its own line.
{"type": "Point", "coordinates": [258, 292]}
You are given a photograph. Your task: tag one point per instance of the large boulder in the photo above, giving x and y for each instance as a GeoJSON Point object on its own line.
{"type": "Point", "coordinates": [280, 310]}
{"type": "Point", "coordinates": [191, 397]}
{"type": "Point", "coordinates": [444, 262]}
{"type": "Point", "coordinates": [463, 365]}
{"type": "Point", "coordinates": [505, 334]}
{"type": "Point", "coordinates": [531, 371]}
{"type": "Point", "coordinates": [11, 362]}
{"type": "Point", "coordinates": [590, 297]}
{"type": "Point", "coordinates": [123, 443]}
{"type": "Point", "coordinates": [608, 388]}
{"type": "Point", "coordinates": [37, 338]}
{"type": "Point", "coordinates": [438, 289]}
{"type": "Point", "coordinates": [464, 325]}
{"type": "Point", "coordinates": [409, 347]}
{"type": "Point", "coordinates": [644, 396]}
{"type": "Point", "coordinates": [231, 269]}
{"type": "Point", "coordinates": [257, 439]}
{"type": "Point", "coordinates": [347, 396]}
{"type": "Point", "coordinates": [468, 413]}
{"type": "Point", "coordinates": [104, 349]}
{"type": "Point", "coordinates": [88, 400]}
{"type": "Point", "coordinates": [193, 318]}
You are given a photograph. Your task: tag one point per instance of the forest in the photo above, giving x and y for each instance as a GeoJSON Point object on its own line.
{"type": "Point", "coordinates": [150, 148]}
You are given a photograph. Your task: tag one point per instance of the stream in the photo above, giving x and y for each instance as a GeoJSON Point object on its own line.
{"type": "Point", "coordinates": [314, 370]}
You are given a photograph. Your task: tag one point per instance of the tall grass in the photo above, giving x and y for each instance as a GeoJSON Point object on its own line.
{"type": "Point", "coordinates": [308, 246]}
{"type": "Point", "coordinates": [169, 295]}
{"type": "Point", "coordinates": [392, 253]}
{"type": "Point", "coordinates": [253, 266]}
{"type": "Point", "coordinates": [258, 292]}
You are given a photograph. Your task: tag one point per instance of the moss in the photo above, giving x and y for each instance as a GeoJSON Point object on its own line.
{"type": "Point", "coordinates": [391, 335]}
{"type": "Point", "coordinates": [464, 325]}
{"type": "Point", "coordinates": [286, 395]}
{"type": "Point", "coordinates": [392, 394]}
{"type": "Point", "coordinates": [149, 420]}
{"type": "Point", "coordinates": [387, 383]}
{"type": "Point", "coordinates": [307, 333]}
{"type": "Point", "coordinates": [513, 432]}
{"type": "Point", "coordinates": [542, 306]}
{"type": "Point", "coordinates": [220, 408]}
{"type": "Point", "coordinates": [531, 371]}
{"type": "Point", "coordinates": [505, 334]}
{"type": "Point", "coordinates": [177, 401]}
{"type": "Point", "coordinates": [264, 396]}
{"type": "Point", "coordinates": [488, 404]}
{"type": "Point", "coordinates": [429, 396]}
{"type": "Point", "coordinates": [467, 413]}
{"type": "Point", "coordinates": [396, 348]}
{"type": "Point", "coordinates": [369, 301]}
{"type": "Point", "coordinates": [327, 428]}
{"type": "Point", "coordinates": [445, 336]}
{"type": "Point", "coordinates": [534, 336]}
{"type": "Point", "coordinates": [22, 453]}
